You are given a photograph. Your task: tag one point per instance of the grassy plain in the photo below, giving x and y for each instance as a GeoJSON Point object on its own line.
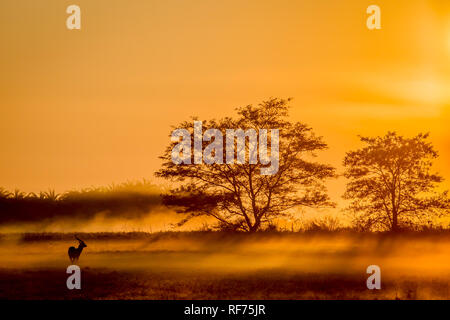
{"type": "Point", "coordinates": [214, 265]}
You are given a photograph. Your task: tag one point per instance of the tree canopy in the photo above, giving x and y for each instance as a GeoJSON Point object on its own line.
{"type": "Point", "coordinates": [391, 183]}
{"type": "Point", "coordinates": [236, 194]}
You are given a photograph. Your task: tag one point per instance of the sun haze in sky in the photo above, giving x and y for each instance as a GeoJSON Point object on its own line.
{"type": "Point", "coordinates": [94, 106]}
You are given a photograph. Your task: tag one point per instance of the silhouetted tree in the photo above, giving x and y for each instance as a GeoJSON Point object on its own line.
{"type": "Point", "coordinates": [391, 184]}
{"type": "Point", "coordinates": [237, 195]}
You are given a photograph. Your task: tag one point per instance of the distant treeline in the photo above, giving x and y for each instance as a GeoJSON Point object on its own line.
{"type": "Point", "coordinates": [126, 200]}
{"type": "Point", "coordinates": [223, 236]}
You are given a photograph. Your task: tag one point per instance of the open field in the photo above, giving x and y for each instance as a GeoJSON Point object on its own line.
{"type": "Point", "coordinates": [208, 265]}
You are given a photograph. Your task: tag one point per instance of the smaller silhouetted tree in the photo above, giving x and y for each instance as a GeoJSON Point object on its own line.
{"type": "Point", "coordinates": [392, 185]}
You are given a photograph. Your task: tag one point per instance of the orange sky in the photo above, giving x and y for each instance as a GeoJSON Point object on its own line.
{"type": "Point", "coordinates": [95, 106]}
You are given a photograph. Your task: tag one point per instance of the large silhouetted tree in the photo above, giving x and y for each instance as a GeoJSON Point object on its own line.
{"type": "Point", "coordinates": [392, 185]}
{"type": "Point", "coordinates": [237, 195]}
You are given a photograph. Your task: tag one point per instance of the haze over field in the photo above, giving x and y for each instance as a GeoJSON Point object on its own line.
{"type": "Point", "coordinates": [265, 265]}
{"type": "Point", "coordinates": [83, 111]}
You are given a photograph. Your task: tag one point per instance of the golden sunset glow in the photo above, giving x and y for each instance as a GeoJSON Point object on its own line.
{"type": "Point", "coordinates": [94, 106]}
{"type": "Point", "coordinates": [86, 118]}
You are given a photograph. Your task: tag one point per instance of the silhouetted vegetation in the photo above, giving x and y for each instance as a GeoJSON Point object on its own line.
{"type": "Point", "coordinates": [126, 200]}
{"type": "Point", "coordinates": [237, 195]}
{"type": "Point", "coordinates": [391, 183]}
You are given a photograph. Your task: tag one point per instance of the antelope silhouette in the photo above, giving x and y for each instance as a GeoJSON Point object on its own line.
{"type": "Point", "coordinates": [74, 253]}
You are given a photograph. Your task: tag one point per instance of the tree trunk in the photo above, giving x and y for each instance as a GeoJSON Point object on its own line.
{"type": "Point", "coordinates": [394, 221]}
{"type": "Point", "coordinates": [255, 226]}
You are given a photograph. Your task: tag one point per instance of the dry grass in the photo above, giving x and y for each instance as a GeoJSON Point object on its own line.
{"type": "Point", "coordinates": [208, 265]}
